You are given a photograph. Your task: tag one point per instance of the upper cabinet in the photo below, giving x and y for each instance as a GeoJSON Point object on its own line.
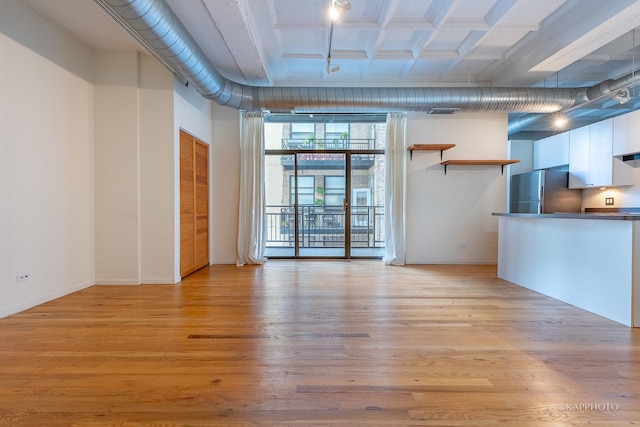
{"type": "Point", "coordinates": [551, 152]}
{"type": "Point", "coordinates": [579, 158]}
{"type": "Point", "coordinates": [626, 134]}
{"type": "Point", "coordinates": [591, 161]}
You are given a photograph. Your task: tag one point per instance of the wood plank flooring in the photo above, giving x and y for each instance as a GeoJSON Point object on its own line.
{"type": "Point", "coordinates": [317, 343]}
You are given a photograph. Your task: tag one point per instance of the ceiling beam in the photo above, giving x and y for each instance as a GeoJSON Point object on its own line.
{"type": "Point", "coordinates": [235, 23]}
{"type": "Point", "coordinates": [580, 28]}
{"type": "Point", "coordinates": [609, 30]}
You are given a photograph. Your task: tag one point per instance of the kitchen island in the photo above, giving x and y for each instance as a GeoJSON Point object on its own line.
{"type": "Point", "coordinates": [590, 260]}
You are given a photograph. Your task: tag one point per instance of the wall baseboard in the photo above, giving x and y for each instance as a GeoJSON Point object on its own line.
{"type": "Point", "coordinates": [8, 311]}
{"type": "Point", "coordinates": [457, 262]}
{"type": "Point", "coordinates": [159, 281]}
{"type": "Point", "coordinates": [144, 281]}
{"type": "Point", "coordinates": [118, 282]}
{"type": "Point", "coordinates": [222, 262]}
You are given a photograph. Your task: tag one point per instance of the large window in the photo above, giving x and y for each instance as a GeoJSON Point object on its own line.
{"type": "Point", "coordinates": [333, 190]}
{"type": "Point", "coordinates": [306, 190]}
{"type": "Point", "coordinates": [336, 131]}
{"type": "Point", "coordinates": [324, 185]}
{"type": "Point", "coordinates": [302, 130]}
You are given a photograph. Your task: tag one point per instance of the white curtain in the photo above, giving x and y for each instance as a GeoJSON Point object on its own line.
{"type": "Point", "coordinates": [251, 228]}
{"type": "Point", "coordinates": [395, 182]}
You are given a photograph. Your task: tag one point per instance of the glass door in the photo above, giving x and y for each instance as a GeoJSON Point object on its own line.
{"type": "Point", "coordinates": [320, 204]}
{"type": "Point", "coordinates": [366, 206]}
{"type": "Point", "coordinates": [324, 190]}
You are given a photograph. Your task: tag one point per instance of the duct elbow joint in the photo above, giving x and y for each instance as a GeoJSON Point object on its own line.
{"type": "Point", "coordinates": [599, 90]}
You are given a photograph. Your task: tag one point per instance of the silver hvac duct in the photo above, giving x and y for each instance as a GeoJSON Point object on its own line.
{"type": "Point", "coordinates": [153, 23]}
{"type": "Point", "coordinates": [593, 94]}
{"type": "Point", "coordinates": [344, 100]}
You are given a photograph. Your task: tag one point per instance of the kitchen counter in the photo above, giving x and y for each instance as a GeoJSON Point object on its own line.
{"type": "Point", "coordinates": [608, 216]}
{"type": "Point", "coordinates": [590, 260]}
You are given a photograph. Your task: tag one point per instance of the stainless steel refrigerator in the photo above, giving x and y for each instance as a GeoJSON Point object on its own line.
{"type": "Point", "coordinates": [543, 191]}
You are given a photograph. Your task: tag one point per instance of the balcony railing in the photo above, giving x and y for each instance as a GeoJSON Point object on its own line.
{"type": "Point", "coordinates": [324, 226]}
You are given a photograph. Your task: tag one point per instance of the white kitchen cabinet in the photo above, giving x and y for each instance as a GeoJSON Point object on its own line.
{"type": "Point", "coordinates": [579, 157]}
{"type": "Point", "coordinates": [626, 133]}
{"type": "Point", "coordinates": [601, 153]}
{"type": "Point", "coordinates": [591, 160]}
{"type": "Point", "coordinates": [551, 152]}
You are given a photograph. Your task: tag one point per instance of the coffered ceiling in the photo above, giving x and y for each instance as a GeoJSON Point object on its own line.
{"type": "Point", "coordinates": [408, 43]}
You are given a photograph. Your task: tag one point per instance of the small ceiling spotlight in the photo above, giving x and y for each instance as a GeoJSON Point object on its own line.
{"type": "Point", "coordinates": [332, 68]}
{"type": "Point", "coordinates": [338, 8]}
{"type": "Point", "coordinates": [622, 96]}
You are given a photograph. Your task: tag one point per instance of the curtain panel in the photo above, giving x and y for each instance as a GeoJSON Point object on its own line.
{"type": "Point", "coordinates": [395, 183]}
{"type": "Point", "coordinates": [251, 226]}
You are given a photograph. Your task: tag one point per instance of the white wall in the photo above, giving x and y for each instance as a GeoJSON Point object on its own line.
{"type": "Point", "coordinates": [117, 218]}
{"type": "Point", "coordinates": [449, 216]}
{"type": "Point", "coordinates": [225, 185]}
{"type": "Point", "coordinates": [134, 169]}
{"type": "Point", "coordinates": [46, 161]}
{"type": "Point", "coordinates": [157, 175]}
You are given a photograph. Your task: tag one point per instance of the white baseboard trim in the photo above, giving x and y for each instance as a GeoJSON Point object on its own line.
{"type": "Point", "coordinates": [144, 281]}
{"type": "Point", "coordinates": [159, 281]}
{"type": "Point", "coordinates": [222, 262]}
{"type": "Point", "coordinates": [25, 305]}
{"type": "Point", "coordinates": [457, 261]}
{"type": "Point", "coordinates": [117, 282]}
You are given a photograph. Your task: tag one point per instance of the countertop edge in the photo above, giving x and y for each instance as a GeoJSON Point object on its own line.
{"type": "Point", "coordinates": [574, 215]}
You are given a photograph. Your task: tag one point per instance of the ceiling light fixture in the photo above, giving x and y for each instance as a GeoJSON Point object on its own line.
{"type": "Point", "coordinates": [332, 68]}
{"type": "Point", "coordinates": [560, 121]}
{"type": "Point", "coordinates": [338, 8]}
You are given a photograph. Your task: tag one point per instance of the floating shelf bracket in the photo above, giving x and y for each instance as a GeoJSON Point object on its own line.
{"type": "Point", "coordinates": [500, 163]}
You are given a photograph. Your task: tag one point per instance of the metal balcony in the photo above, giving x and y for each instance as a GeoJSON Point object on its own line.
{"type": "Point", "coordinates": [324, 227]}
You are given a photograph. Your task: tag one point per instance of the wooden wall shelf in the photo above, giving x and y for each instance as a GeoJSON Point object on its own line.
{"type": "Point", "coordinates": [429, 147]}
{"type": "Point", "coordinates": [500, 163]}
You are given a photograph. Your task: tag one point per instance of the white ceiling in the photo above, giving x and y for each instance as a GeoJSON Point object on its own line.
{"type": "Point", "coordinates": [553, 43]}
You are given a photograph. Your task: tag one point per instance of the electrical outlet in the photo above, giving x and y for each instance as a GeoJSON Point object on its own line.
{"type": "Point", "coordinates": [608, 201]}
{"type": "Point", "coordinates": [22, 277]}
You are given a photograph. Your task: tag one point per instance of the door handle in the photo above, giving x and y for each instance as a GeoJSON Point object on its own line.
{"type": "Point", "coordinates": [344, 204]}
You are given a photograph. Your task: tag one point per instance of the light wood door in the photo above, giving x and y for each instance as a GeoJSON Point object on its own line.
{"type": "Point", "coordinates": [194, 204]}
{"type": "Point", "coordinates": [201, 151]}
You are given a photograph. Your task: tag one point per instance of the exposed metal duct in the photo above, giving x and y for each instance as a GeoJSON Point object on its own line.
{"type": "Point", "coordinates": [341, 100]}
{"type": "Point", "coordinates": [593, 94]}
{"type": "Point", "coordinates": [154, 24]}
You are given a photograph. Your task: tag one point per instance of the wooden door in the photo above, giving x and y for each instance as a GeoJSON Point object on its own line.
{"type": "Point", "coordinates": [201, 204]}
{"type": "Point", "coordinates": [194, 204]}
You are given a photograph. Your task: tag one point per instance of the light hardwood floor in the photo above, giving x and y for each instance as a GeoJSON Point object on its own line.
{"type": "Point", "coordinates": [310, 343]}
